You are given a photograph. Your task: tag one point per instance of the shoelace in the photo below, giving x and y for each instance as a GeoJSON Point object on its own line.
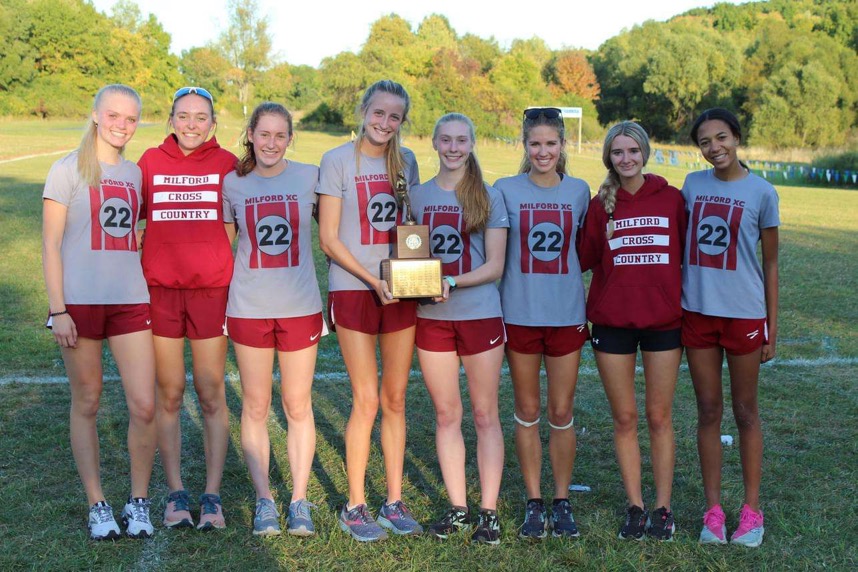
{"type": "Point", "coordinates": [489, 521]}
{"type": "Point", "coordinates": [265, 511]}
{"type": "Point", "coordinates": [301, 508]}
{"type": "Point", "coordinates": [713, 520]}
{"type": "Point", "coordinates": [534, 514]}
{"type": "Point", "coordinates": [634, 515]}
{"type": "Point", "coordinates": [561, 510]}
{"type": "Point", "coordinates": [180, 501]}
{"type": "Point", "coordinates": [140, 510]}
{"type": "Point", "coordinates": [208, 504]}
{"type": "Point", "coordinates": [400, 510]}
{"type": "Point", "coordinates": [747, 520]}
{"type": "Point", "coordinates": [103, 513]}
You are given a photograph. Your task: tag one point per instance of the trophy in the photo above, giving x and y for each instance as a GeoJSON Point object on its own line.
{"type": "Point", "coordinates": [411, 272]}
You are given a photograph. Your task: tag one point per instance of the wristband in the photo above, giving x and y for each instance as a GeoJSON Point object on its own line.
{"type": "Point", "coordinates": [451, 281]}
{"type": "Point", "coordinates": [52, 314]}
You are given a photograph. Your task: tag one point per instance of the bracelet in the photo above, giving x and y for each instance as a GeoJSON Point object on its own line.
{"type": "Point", "coordinates": [451, 281]}
{"type": "Point", "coordinates": [53, 314]}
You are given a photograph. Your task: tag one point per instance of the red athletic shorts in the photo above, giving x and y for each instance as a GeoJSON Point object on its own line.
{"type": "Point", "coordinates": [362, 311]}
{"type": "Point", "coordinates": [552, 341]}
{"type": "Point", "coordinates": [196, 313]}
{"type": "Point", "coordinates": [100, 321]}
{"type": "Point", "coordinates": [738, 336]}
{"type": "Point", "coordinates": [285, 334]}
{"type": "Point", "coordinates": [465, 337]}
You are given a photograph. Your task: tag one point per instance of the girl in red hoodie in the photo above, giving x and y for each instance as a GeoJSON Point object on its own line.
{"type": "Point", "coordinates": [187, 261]}
{"type": "Point", "coordinates": [633, 239]}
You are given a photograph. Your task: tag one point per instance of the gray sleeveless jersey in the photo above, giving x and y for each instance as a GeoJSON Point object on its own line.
{"type": "Point", "coordinates": [368, 210]}
{"type": "Point", "coordinates": [101, 264]}
{"type": "Point", "coordinates": [541, 283]}
{"type": "Point", "coordinates": [721, 275]}
{"type": "Point", "coordinates": [460, 252]}
{"type": "Point", "coordinates": [274, 273]}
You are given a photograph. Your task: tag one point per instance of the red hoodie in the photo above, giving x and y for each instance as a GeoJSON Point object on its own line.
{"type": "Point", "coordinates": [637, 278]}
{"type": "Point", "coordinates": [185, 243]}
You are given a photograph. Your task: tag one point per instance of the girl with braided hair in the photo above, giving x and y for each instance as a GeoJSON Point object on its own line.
{"type": "Point", "coordinates": [633, 240]}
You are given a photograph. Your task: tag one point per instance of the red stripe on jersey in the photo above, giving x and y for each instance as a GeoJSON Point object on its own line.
{"type": "Point", "coordinates": [365, 191]}
{"type": "Point", "coordinates": [112, 223]}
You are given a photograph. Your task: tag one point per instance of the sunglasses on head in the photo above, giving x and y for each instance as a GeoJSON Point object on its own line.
{"type": "Point", "coordinates": [533, 113]}
{"type": "Point", "coordinates": [193, 90]}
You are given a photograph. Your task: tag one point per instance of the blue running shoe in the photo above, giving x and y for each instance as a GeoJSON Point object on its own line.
{"type": "Point", "coordinates": [398, 519]}
{"type": "Point", "coordinates": [562, 521]}
{"type": "Point", "coordinates": [360, 525]}
{"type": "Point", "coordinates": [266, 519]}
{"type": "Point", "coordinates": [299, 522]}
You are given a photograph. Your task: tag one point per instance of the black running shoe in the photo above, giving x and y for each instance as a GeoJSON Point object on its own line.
{"type": "Point", "coordinates": [455, 519]}
{"type": "Point", "coordinates": [661, 525]}
{"type": "Point", "coordinates": [635, 525]}
{"type": "Point", "coordinates": [533, 526]}
{"type": "Point", "coordinates": [562, 521]}
{"type": "Point", "coordinates": [488, 528]}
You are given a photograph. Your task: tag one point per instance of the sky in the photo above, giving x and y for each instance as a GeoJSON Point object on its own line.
{"type": "Point", "coordinates": [306, 31]}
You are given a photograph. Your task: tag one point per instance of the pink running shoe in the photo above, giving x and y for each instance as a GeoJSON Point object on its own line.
{"type": "Point", "coordinates": [750, 531]}
{"type": "Point", "coordinates": [714, 531]}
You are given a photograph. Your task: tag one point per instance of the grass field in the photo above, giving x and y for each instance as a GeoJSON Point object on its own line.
{"type": "Point", "coordinates": [808, 404]}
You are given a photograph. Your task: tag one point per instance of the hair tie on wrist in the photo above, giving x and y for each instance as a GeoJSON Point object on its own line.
{"type": "Point", "coordinates": [54, 314]}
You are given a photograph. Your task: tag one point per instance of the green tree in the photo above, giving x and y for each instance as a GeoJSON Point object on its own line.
{"type": "Point", "coordinates": [246, 45]}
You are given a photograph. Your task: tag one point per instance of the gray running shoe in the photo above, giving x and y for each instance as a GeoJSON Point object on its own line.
{"type": "Point", "coordinates": [135, 517]}
{"type": "Point", "coordinates": [102, 525]}
{"type": "Point", "coordinates": [265, 521]}
{"type": "Point", "coordinates": [398, 519]}
{"type": "Point", "coordinates": [360, 525]}
{"type": "Point", "coordinates": [299, 522]}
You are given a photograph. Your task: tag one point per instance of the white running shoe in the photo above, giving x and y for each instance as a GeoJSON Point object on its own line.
{"type": "Point", "coordinates": [135, 517]}
{"type": "Point", "coordinates": [102, 525]}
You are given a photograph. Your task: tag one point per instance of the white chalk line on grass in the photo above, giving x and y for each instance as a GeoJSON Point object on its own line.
{"type": "Point", "coordinates": [35, 156]}
{"type": "Point", "coordinates": [415, 373]}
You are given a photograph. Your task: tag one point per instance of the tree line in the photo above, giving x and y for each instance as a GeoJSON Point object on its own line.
{"type": "Point", "coordinates": [788, 67]}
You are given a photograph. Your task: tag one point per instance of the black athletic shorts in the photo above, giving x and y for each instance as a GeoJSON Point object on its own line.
{"type": "Point", "coordinates": [626, 340]}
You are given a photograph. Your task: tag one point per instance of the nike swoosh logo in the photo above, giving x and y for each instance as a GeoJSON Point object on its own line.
{"type": "Point", "coordinates": [148, 322]}
{"type": "Point", "coordinates": [491, 343]}
{"type": "Point", "coordinates": [313, 338]}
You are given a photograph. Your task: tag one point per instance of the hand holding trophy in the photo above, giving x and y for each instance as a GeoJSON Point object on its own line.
{"type": "Point", "coordinates": [411, 272]}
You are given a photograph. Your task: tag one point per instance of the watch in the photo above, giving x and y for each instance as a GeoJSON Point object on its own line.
{"type": "Point", "coordinates": [451, 281]}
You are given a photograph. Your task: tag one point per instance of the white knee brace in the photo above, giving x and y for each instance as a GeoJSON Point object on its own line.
{"type": "Point", "coordinates": [525, 423]}
{"type": "Point", "coordinates": [567, 426]}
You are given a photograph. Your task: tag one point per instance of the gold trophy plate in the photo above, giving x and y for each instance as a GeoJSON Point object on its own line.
{"type": "Point", "coordinates": [412, 277]}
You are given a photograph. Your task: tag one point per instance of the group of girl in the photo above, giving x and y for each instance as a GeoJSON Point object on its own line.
{"type": "Point", "coordinates": [670, 269]}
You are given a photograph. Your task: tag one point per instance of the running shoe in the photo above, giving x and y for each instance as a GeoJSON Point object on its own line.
{"type": "Point", "coordinates": [455, 519]}
{"type": "Point", "coordinates": [562, 521]}
{"type": "Point", "coordinates": [398, 519]}
{"type": "Point", "coordinates": [102, 525]}
{"type": "Point", "coordinates": [360, 525]}
{"type": "Point", "coordinates": [750, 531]}
{"type": "Point", "coordinates": [714, 531]}
{"type": "Point", "coordinates": [660, 525]}
{"type": "Point", "coordinates": [635, 525]}
{"type": "Point", "coordinates": [135, 517]}
{"type": "Point", "coordinates": [488, 528]}
{"type": "Point", "coordinates": [265, 519]}
{"type": "Point", "coordinates": [211, 513]}
{"type": "Point", "coordinates": [533, 527]}
{"type": "Point", "coordinates": [299, 522]}
{"type": "Point", "coordinates": [177, 512]}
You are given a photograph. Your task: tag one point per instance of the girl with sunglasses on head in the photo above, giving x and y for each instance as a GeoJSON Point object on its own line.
{"type": "Point", "coordinates": [632, 241]}
{"type": "Point", "coordinates": [96, 291]}
{"type": "Point", "coordinates": [730, 305]}
{"type": "Point", "coordinates": [187, 261]}
{"type": "Point", "coordinates": [467, 224]}
{"type": "Point", "coordinates": [357, 213]}
{"type": "Point", "coordinates": [274, 306]}
{"type": "Point", "coordinates": [543, 302]}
